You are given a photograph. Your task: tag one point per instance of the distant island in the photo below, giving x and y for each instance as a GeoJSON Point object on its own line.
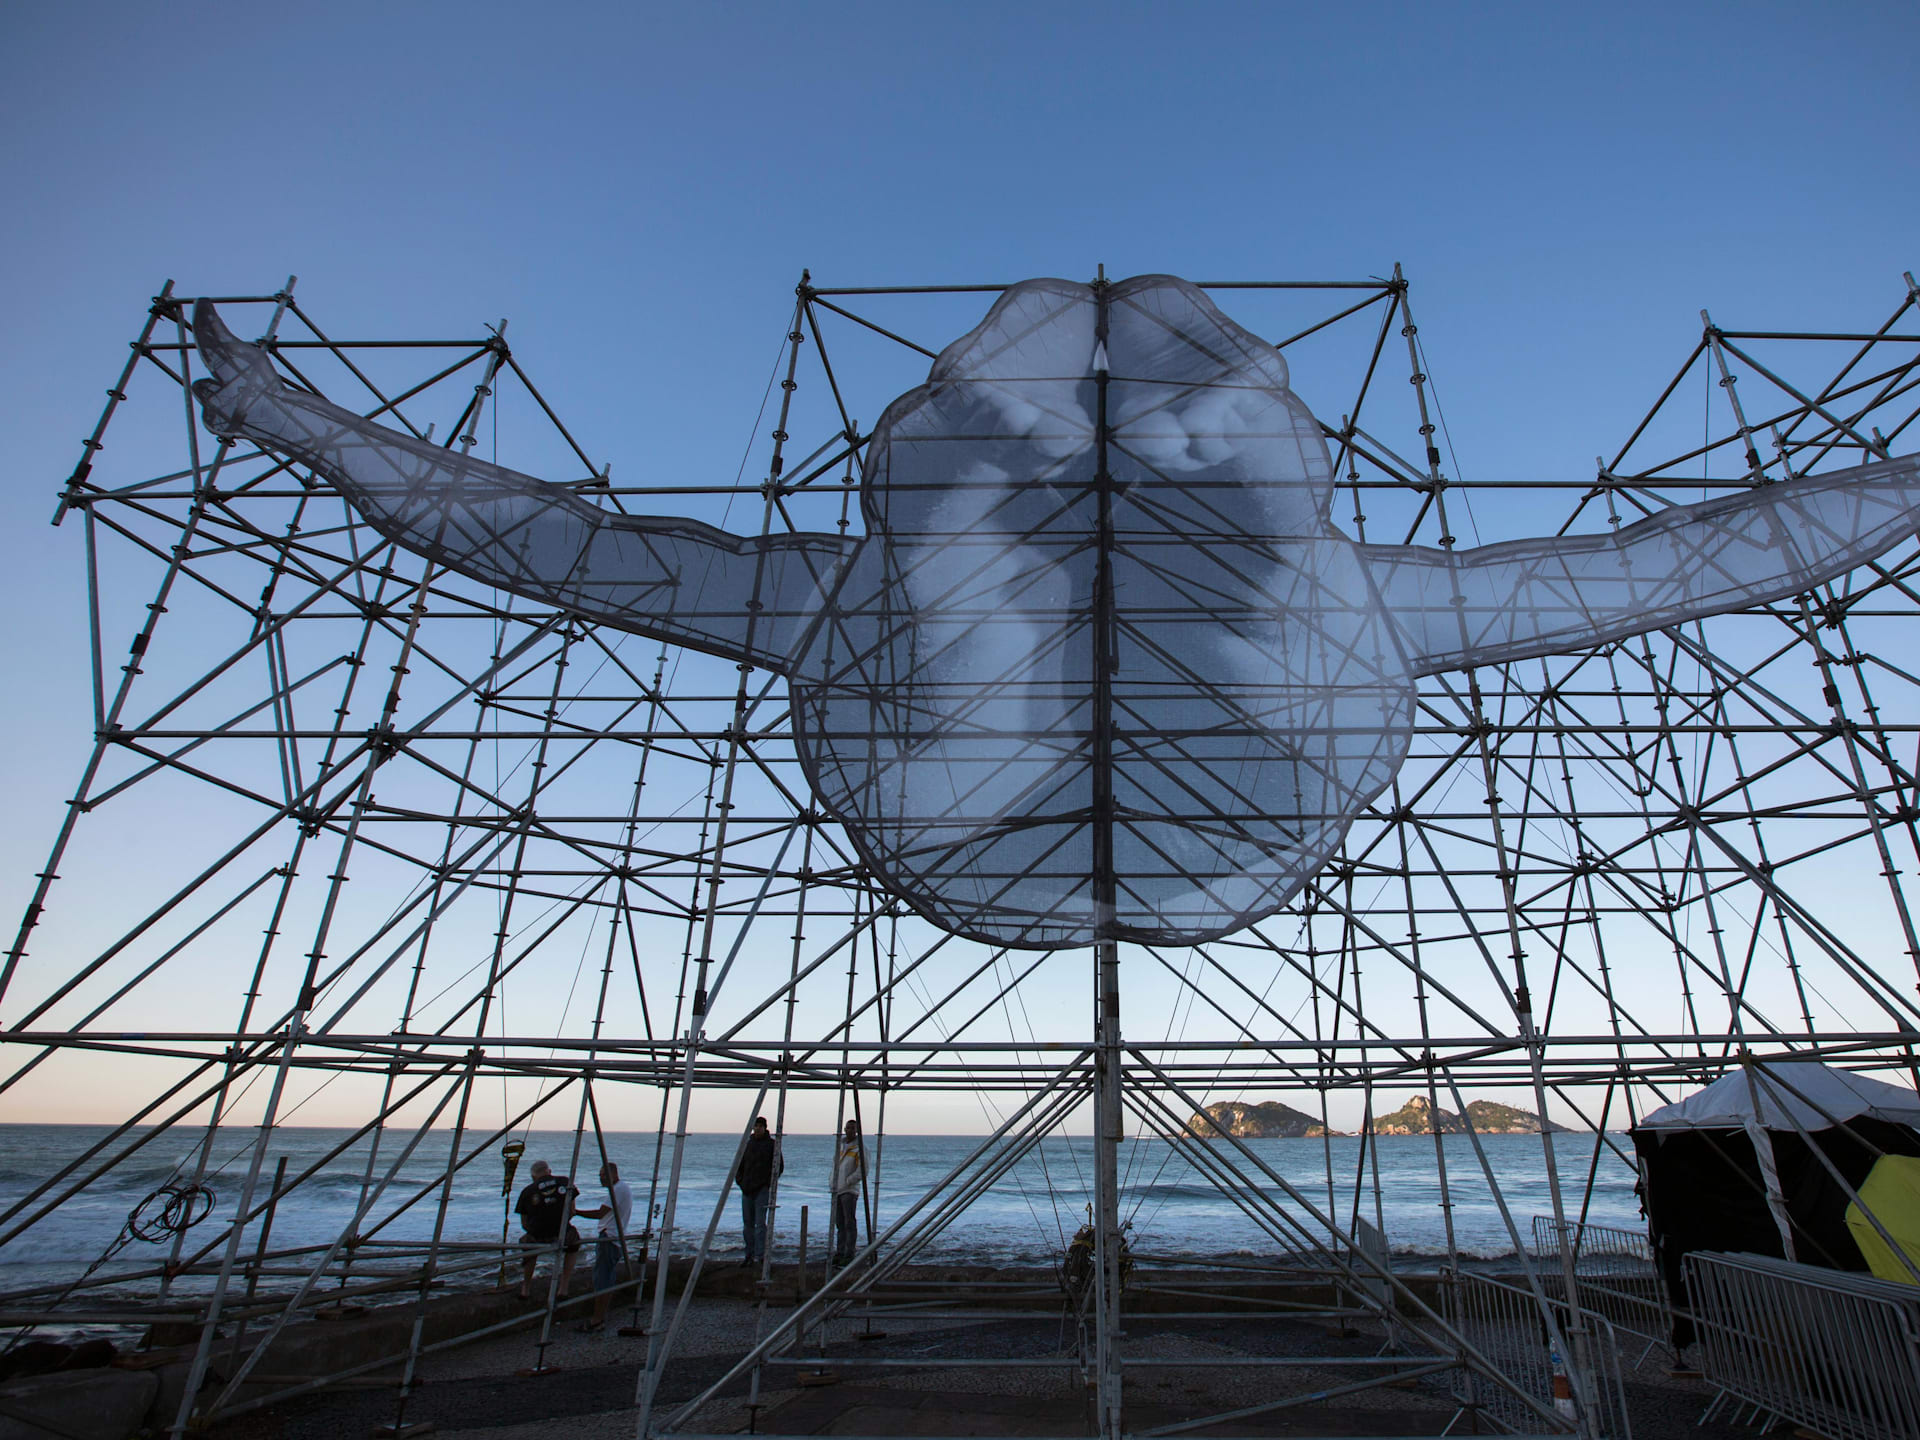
{"type": "Point", "coordinates": [1269, 1120]}
{"type": "Point", "coordinates": [1489, 1117]}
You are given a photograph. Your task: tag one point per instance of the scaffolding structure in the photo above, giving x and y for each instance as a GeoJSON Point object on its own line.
{"type": "Point", "coordinates": [475, 863]}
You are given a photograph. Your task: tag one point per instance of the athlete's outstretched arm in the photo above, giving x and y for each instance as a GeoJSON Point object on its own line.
{"type": "Point", "coordinates": [676, 579]}
{"type": "Point", "coordinates": [1524, 598]}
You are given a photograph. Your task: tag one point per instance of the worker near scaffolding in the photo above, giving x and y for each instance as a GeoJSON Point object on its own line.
{"type": "Point", "coordinates": [544, 1208]}
{"type": "Point", "coordinates": [610, 1246]}
{"type": "Point", "coordinates": [849, 1176]}
{"type": "Point", "coordinates": [760, 1166]}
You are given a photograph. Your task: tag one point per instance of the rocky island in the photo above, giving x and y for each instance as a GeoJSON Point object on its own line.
{"type": "Point", "coordinates": [1489, 1117]}
{"type": "Point", "coordinates": [1269, 1120]}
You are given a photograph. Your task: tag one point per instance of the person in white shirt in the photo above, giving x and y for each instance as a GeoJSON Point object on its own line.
{"type": "Point", "coordinates": [608, 1250]}
{"type": "Point", "coordinates": [849, 1173]}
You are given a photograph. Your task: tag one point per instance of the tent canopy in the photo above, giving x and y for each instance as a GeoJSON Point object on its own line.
{"type": "Point", "coordinates": [1729, 1168]}
{"type": "Point", "coordinates": [1728, 1103]}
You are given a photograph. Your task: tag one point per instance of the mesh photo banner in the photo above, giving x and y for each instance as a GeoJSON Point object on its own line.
{"type": "Point", "coordinates": [1101, 666]}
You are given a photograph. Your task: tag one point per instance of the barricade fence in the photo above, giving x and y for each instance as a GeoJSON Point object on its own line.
{"type": "Point", "coordinates": [1829, 1350]}
{"type": "Point", "coordinates": [1616, 1272]}
{"type": "Point", "coordinates": [1503, 1322]}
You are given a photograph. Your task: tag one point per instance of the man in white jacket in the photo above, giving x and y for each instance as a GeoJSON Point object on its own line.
{"type": "Point", "coordinates": [849, 1173]}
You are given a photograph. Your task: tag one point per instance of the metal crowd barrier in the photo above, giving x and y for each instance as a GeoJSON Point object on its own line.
{"type": "Point", "coordinates": [1828, 1350]}
{"type": "Point", "coordinates": [1616, 1272]}
{"type": "Point", "coordinates": [1503, 1322]}
{"type": "Point", "coordinates": [1372, 1244]}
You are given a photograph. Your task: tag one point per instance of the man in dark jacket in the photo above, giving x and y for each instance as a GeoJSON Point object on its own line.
{"type": "Point", "coordinates": [759, 1163]}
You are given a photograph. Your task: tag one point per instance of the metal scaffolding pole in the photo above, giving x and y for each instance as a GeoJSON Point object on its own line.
{"type": "Point", "coordinates": [1107, 1057]}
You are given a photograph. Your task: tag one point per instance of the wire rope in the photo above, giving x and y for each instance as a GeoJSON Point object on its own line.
{"type": "Point", "coordinates": [1032, 1036]}
{"type": "Point", "coordinates": [1183, 995]}
{"type": "Point", "coordinates": [1134, 1158]}
{"type": "Point", "coordinates": [1040, 1145]}
{"type": "Point", "coordinates": [988, 1109]}
{"type": "Point", "coordinates": [540, 1092]}
{"type": "Point", "coordinates": [1245, 1029]}
{"type": "Point", "coordinates": [572, 897]}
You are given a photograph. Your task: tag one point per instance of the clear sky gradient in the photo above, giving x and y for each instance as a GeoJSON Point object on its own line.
{"type": "Point", "coordinates": [639, 186]}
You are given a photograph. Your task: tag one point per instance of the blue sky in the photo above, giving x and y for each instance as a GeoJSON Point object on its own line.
{"type": "Point", "coordinates": [638, 187]}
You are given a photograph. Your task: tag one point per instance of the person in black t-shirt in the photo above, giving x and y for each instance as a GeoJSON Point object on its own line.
{"type": "Point", "coordinates": [544, 1207]}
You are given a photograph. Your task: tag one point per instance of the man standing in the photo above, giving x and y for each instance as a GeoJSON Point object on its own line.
{"type": "Point", "coordinates": [849, 1175]}
{"type": "Point", "coordinates": [760, 1163]}
{"type": "Point", "coordinates": [610, 1244]}
{"type": "Point", "coordinates": [543, 1208]}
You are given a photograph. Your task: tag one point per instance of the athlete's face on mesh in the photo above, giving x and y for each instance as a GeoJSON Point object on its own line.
{"type": "Point", "coordinates": [950, 719]}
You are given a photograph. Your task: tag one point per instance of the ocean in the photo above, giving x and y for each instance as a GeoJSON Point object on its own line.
{"type": "Point", "coordinates": [1026, 1219]}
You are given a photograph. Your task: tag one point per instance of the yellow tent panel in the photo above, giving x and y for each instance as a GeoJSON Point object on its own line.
{"type": "Point", "coordinates": [1892, 1192]}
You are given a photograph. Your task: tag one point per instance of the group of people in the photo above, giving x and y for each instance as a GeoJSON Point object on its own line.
{"type": "Point", "coordinates": [549, 1204]}
{"type": "Point", "coordinates": [761, 1164]}
{"type": "Point", "coordinates": [544, 1208]}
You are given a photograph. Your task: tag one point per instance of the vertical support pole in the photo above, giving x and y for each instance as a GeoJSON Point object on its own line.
{"type": "Point", "coordinates": [1579, 1365]}
{"type": "Point", "coordinates": [737, 735]}
{"type": "Point", "coordinates": [1107, 1118]}
{"type": "Point", "coordinates": [1452, 1275]}
{"type": "Point", "coordinates": [496, 356]}
{"type": "Point", "coordinates": [656, 1207]}
{"type": "Point", "coordinates": [204, 477]}
{"type": "Point", "coordinates": [1107, 1055]}
{"type": "Point", "coordinates": [210, 1323]}
{"type": "Point", "coordinates": [259, 1254]}
{"type": "Point", "coordinates": [1844, 726]}
{"type": "Point", "coordinates": [800, 1261]}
